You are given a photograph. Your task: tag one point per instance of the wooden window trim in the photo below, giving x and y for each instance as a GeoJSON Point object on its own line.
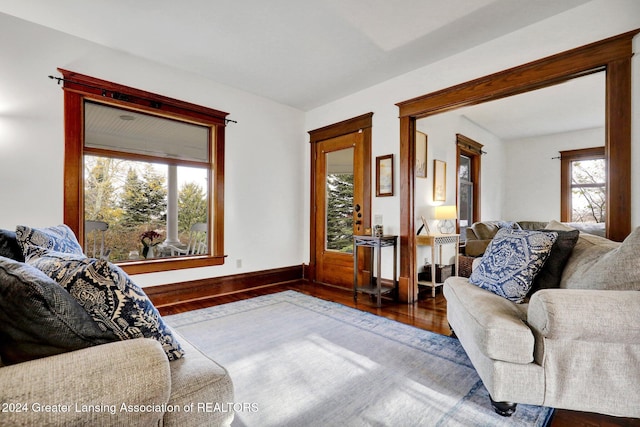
{"type": "Point", "coordinates": [77, 89]}
{"type": "Point", "coordinates": [472, 149]}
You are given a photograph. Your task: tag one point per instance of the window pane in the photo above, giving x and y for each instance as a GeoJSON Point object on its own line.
{"type": "Point", "coordinates": [588, 172]}
{"type": "Point", "coordinates": [339, 199]}
{"type": "Point", "coordinates": [588, 194]}
{"type": "Point", "coordinates": [132, 198]}
{"type": "Point", "coordinates": [465, 168]}
{"type": "Point", "coordinates": [588, 204]}
{"type": "Point", "coordinates": [121, 130]}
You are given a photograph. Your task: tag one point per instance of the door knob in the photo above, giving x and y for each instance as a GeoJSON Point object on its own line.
{"type": "Point", "coordinates": [356, 208]}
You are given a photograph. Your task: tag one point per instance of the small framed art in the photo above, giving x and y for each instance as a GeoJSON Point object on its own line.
{"type": "Point", "coordinates": [439, 181]}
{"type": "Point", "coordinates": [384, 175]}
{"type": "Point", "coordinates": [421, 155]}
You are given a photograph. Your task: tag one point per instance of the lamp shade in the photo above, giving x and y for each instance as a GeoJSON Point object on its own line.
{"type": "Point", "coordinates": [446, 212]}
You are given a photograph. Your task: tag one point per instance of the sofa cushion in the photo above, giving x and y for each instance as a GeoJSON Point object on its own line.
{"type": "Point", "coordinates": [109, 296]}
{"type": "Point", "coordinates": [59, 238]}
{"type": "Point", "coordinates": [551, 273]}
{"type": "Point", "coordinates": [38, 318]}
{"type": "Point", "coordinates": [511, 262]}
{"type": "Point", "coordinates": [532, 225]}
{"type": "Point", "coordinates": [490, 320]}
{"type": "Point", "coordinates": [197, 378]}
{"type": "Point", "coordinates": [9, 246]}
{"type": "Point", "coordinates": [599, 263]}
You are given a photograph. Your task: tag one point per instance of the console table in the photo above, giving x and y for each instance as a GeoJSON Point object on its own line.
{"type": "Point", "coordinates": [436, 241]}
{"type": "Point", "coordinates": [376, 243]}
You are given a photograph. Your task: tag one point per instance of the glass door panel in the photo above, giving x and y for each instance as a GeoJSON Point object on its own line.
{"type": "Point", "coordinates": [339, 200]}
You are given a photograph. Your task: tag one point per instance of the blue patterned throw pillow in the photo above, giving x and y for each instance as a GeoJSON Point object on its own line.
{"type": "Point", "coordinates": [59, 238]}
{"type": "Point", "coordinates": [110, 297]}
{"type": "Point", "coordinates": [511, 262]}
{"type": "Point", "coordinates": [38, 318]}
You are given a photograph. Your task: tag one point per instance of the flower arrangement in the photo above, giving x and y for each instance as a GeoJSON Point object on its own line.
{"type": "Point", "coordinates": [147, 238]}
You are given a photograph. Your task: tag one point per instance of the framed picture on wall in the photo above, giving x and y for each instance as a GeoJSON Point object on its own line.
{"type": "Point", "coordinates": [421, 155]}
{"type": "Point", "coordinates": [439, 181]}
{"type": "Point", "coordinates": [384, 175]}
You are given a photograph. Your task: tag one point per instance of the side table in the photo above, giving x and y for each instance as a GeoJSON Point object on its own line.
{"type": "Point", "coordinates": [376, 243]}
{"type": "Point", "coordinates": [436, 241]}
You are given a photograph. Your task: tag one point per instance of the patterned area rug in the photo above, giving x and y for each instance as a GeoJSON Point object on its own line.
{"type": "Point", "coordinates": [297, 360]}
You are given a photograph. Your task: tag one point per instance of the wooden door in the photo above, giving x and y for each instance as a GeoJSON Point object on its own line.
{"type": "Point", "coordinates": [340, 208]}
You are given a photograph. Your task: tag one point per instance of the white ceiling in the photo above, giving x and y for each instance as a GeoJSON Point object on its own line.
{"type": "Point", "coordinates": [301, 53]}
{"type": "Point", "coordinates": [573, 105]}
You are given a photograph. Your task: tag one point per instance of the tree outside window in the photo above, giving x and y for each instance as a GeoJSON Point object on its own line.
{"type": "Point", "coordinates": [588, 190]}
{"type": "Point", "coordinates": [340, 212]}
{"type": "Point", "coordinates": [131, 196]}
{"type": "Point", "coordinates": [584, 185]}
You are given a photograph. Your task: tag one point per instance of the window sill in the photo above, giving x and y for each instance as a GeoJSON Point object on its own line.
{"type": "Point", "coordinates": [168, 264]}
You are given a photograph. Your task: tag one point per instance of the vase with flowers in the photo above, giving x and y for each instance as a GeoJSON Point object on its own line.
{"type": "Point", "coordinates": [149, 239]}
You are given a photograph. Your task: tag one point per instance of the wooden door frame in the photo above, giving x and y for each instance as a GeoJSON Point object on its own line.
{"type": "Point", "coordinates": [361, 123]}
{"type": "Point", "coordinates": [612, 55]}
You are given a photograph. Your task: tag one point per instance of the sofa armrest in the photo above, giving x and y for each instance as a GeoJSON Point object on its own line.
{"type": "Point", "coordinates": [89, 386]}
{"type": "Point", "coordinates": [586, 315]}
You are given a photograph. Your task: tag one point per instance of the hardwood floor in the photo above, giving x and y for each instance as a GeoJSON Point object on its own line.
{"type": "Point", "coordinates": [428, 313]}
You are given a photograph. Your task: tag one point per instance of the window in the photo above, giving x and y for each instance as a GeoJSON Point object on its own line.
{"type": "Point", "coordinates": [469, 152]}
{"type": "Point", "coordinates": [584, 184]}
{"type": "Point", "coordinates": [465, 193]}
{"type": "Point", "coordinates": [151, 168]}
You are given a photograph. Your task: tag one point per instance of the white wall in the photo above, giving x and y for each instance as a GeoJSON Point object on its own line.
{"type": "Point", "coordinates": [532, 176]}
{"type": "Point", "coordinates": [264, 150]}
{"type": "Point", "coordinates": [267, 181]}
{"type": "Point", "coordinates": [591, 22]}
{"type": "Point", "coordinates": [441, 133]}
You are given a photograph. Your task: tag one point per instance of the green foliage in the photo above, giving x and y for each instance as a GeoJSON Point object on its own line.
{"type": "Point", "coordinates": [143, 200]}
{"type": "Point", "coordinates": [100, 192]}
{"type": "Point", "coordinates": [192, 206]}
{"type": "Point", "coordinates": [132, 198]}
{"type": "Point", "coordinates": [340, 212]}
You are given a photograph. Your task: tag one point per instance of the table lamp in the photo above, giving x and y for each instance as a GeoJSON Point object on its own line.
{"type": "Point", "coordinates": [444, 215]}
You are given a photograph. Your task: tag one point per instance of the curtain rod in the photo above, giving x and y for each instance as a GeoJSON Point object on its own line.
{"type": "Point", "coordinates": [118, 95]}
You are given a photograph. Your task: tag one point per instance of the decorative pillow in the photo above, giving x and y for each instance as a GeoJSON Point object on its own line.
{"type": "Point", "coordinates": [59, 238]}
{"type": "Point", "coordinates": [9, 246]}
{"type": "Point", "coordinates": [511, 262]}
{"type": "Point", "coordinates": [109, 296]}
{"type": "Point", "coordinates": [551, 273]}
{"type": "Point", "coordinates": [603, 264]}
{"type": "Point", "coordinates": [38, 318]}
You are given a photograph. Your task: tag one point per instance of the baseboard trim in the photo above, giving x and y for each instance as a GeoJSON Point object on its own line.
{"type": "Point", "coordinates": [177, 293]}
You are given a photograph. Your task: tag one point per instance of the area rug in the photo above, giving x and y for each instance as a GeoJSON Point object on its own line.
{"type": "Point", "coordinates": [296, 360]}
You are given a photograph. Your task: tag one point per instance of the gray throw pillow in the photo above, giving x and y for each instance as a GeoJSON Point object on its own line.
{"type": "Point", "coordinates": [551, 273]}
{"type": "Point", "coordinates": [38, 318]}
{"type": "Point", "coordinates": [603, 264]}
{"type": "Point", "coordinates": [9, 246]}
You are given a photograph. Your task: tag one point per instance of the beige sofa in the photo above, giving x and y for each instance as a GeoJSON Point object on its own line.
{"type": "Point", "coordinates": [576, 347]}
{"type": "Point", "coordinates": [124, 383]}
{"type": "Point", "coordinates": [479, 234]}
